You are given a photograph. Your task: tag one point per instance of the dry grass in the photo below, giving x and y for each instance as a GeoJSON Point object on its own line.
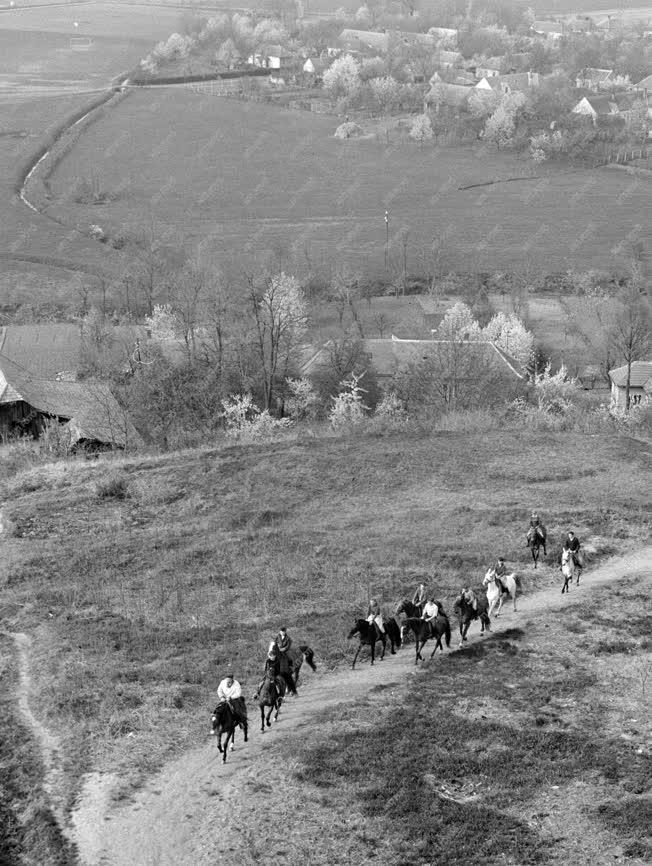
{"type": "Point", "coordinates": [138, 604]}
{"type": "Point", "coordinates": [486, 757]}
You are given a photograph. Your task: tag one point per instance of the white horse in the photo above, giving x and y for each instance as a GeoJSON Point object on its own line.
{"type": "Point", "coordinates": [496, 595]}
{"type": "Point", "coordinates": [569, 569]}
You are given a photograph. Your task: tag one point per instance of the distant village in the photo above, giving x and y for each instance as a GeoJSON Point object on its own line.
{"type": "Point", "coordinates": [560, 86]}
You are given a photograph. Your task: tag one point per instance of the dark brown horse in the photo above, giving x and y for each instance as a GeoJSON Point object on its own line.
{"type": "Point", "coordinates": [408, 608]}
{"type": "Point", "coordinates": [270, 694]}
{"type": "Point", "coordinates": [466, 613]}
{"type": "Point", "coordinates": [225, 721]}
{"type": "Point", "coordinates": [423, 631]}
{"type": "Point", "coordinates": [370, 634]}
{"type": "Point", "coordinates": [296, 656]}
{"type": "Point", "coordinates": [536, 539]}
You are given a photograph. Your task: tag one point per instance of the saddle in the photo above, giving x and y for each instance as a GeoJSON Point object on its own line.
{"type": "Point", "coordinates": [501, 586]}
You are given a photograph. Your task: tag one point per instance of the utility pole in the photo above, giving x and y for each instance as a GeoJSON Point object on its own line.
{"type": "Point", "coordinates": [386, 239]}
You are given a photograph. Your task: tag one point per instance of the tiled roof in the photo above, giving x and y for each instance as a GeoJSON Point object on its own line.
{"type": "Point", "coordinates": [389, 355]}
{"type": "Point", "coordinates": [640, 375]}
{"type": "Point", "coordinates": [645, 84]}
{"type": "Point", "coordinates": [368, 38]}
{"type": "Point", "coordinates": [44, 350]}
{"type": "Point", "coordinates": [90, 408]}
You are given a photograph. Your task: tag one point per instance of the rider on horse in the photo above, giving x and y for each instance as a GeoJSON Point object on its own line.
{"type": "Point", "coordinates": [419, 597]}
{"type": "Point", "coordinates": [500, 570]}
{"type": "Point", "coordinates": [572, 543]}
{"type": "Point", "coordinates": [229, 692]}
{"type": "Point", "coordinates": [470, 597]}
{"type": "Point", "coordinates": [430, 611]}
{"type": "Point", "coordinates": [277, 660]}
{"type": "Point", "coordinates": [536, 527]}
{"type": "Point", "coordinates": [374, 614]}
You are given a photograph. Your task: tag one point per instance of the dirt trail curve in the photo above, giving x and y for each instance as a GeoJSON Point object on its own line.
{"type": "Point", "coordinates": [176, 817]}
{"type": "Point", "coordinates": [48, 744]}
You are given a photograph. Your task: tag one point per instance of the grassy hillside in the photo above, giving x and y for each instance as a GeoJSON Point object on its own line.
{"type": "Point", "coordinates": [136, 605]}
{"type": "Point", "coordinates": [252, 178]}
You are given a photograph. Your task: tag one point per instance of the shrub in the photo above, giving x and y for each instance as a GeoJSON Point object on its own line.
{"type": "Point", "coordinates": [348, 130]}
{"type": "Point", "coordinates": [246, 423]}
{"type": "Point", "coordinates": [114, 487]}
{"type": "Point", "coordinates": [303, 400]}
{"type": "Point", "coordinates": [348, 410]}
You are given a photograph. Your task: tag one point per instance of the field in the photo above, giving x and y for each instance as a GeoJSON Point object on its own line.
{"type": "Point", "coordinates": [41, 82]}
{"type": "Point", "coordinates": [248, 179]}
{"type": "Point", "coordinates": [135, 605]}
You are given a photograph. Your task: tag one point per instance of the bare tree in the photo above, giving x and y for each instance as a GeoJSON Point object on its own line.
{"type": "Point", "coordinates": [280, 319]}
{"type": "Point", "coordinates": [631, 333]}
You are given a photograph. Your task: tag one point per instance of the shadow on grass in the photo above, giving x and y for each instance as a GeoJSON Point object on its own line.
{"type": "Point", "coordinates": [401, 766]}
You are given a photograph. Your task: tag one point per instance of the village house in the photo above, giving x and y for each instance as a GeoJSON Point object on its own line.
{"type": "Point", "coordinates": [366, 42]}
{"type": "Point", "coordinates": [448, 59]}
{"type": "Point", "coordinates": [88, 412]}
{"type": "Point", "coordinates": [613, 107]}
{"type": "Point", "coordinates": [446, 37]}
{"type": "Point", "coordinates": [40, 368]}
{"type": "Point", "coordinates": [552, 31]}
{"type": "Point", "coordinates": [644, 87]}
{"type": "Point", "coordinates": [598, 80]}
{"type": "Point", "coordinates": [441, 93]}
{"type": "Point", "coordinates": [640, 384]}
{"type": "Point", "coordinates": [272, 57]}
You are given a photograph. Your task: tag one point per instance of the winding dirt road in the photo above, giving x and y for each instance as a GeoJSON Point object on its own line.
{"type": "Point", "coordinates": [176, 818]}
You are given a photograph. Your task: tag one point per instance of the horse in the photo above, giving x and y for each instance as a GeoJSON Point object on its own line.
{"type": "Point", "coordinates": [370, 634]}
{"type": "Point", "coordinates": [466, 613]}
{"type": "Point", "coordinates": [225, 722]}
{"type": "Point", "coordinates": [500, 587]}
{"type": "Point", "coordinates": [270, 694]}
{"type": "Point", "coordinates": [296, 656]}
{"type": "Point", "coordinates": [424, 630]}
{"type": "Point", "coordinates": [536, 539]}
{"type": "Point", "coordinates": [569, 569]}
{"type": "Point", "coordinates": [408, 608]}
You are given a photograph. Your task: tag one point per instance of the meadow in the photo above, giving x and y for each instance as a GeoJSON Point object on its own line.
{"type": "Point", "coordinates": [138, 594]}
{"type": "Point", "coordinates": [43, 81]}
{"type": "Point", "coordinates": [245, 179]}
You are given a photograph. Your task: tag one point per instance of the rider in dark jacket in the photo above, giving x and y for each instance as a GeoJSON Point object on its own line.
{"type": "Point", "coordinates": [572, 543]}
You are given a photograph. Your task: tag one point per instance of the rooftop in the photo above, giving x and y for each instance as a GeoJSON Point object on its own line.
{"type": "Point", "coordinates": [640, 376]}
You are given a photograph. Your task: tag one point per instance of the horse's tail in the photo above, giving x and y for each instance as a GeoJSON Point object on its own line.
{"type": "Point", "coordinates": [309, 656]}
{"type": "Point", "coordinates": [517, 581]}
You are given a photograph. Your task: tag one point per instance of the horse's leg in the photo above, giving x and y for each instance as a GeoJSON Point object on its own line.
{"type": "Point", "coordinates": [417, 654]}
{"type": "Point", "coordinates": [262, 719]}
{"type": "Point", "coordinates": [355, 657]}
{"type": "Point", "coordinates": [245, 729]}
{"type": "Point", "coordinates": [219, 742]}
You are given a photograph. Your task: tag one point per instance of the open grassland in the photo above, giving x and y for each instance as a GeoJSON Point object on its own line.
{"type": "Point", "coordinates": [532, 746]}
{"type": "Point", "coordinates": [136, 604]}
{"type": "Point", "coordinates": [27, 236]}
{"type": "Point", "coordinates": [245, 179]}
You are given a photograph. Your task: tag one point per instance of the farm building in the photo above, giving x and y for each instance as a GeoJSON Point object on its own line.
{"type": "Point", "coordinates": [640, 384]}
{"type": "Point", "coordinates": [88, 412]}
{"type": "Point", "coordinates": [550, 30]}
{"type": "Point", "coordinates": [363, 41]}
{"type": "Point", "coordinates": [458, 370]}
{"type": "Point", "coordinates": [614, 107]}
{"type": "Point", "coordinates": [453, 96]}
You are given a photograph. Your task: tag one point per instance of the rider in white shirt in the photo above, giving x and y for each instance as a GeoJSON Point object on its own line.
{"type": "Point", "coordinates": [229, 689]}
{"type": "Point", "coordinates": [430, 610]}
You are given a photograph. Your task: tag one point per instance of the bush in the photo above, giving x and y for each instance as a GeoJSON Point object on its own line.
{"type": "Point", "coordinates": [348, 130]}
{"type": "Point", "coordinates": [113, 487]}
{"type": "Point", "coordinates": [246, 423]}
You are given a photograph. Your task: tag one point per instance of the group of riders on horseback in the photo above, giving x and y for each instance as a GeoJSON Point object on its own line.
{"type": "Point", "coordinates": [279, 672]}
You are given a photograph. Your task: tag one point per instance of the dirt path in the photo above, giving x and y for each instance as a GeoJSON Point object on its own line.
{"type": "Point", "coordinates": [176, 817]}
{"type": "Point", "coordinates": [48, 744]}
